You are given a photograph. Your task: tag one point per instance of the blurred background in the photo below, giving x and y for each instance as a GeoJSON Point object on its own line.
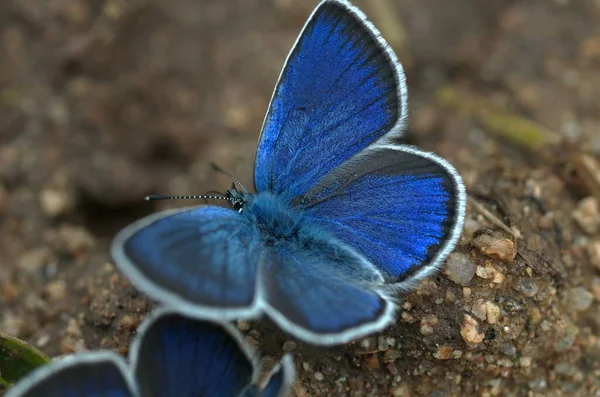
{"type": "Point", "coordinates": [105, 101]}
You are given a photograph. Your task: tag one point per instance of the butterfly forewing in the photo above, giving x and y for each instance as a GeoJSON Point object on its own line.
{"type": "Point", "coordinates": [340, 90]}
{"type": "Point", "coordinates": [202, 260]}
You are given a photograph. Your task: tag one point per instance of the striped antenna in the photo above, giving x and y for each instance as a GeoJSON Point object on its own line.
{"type": "Point", "coordinates": [154, 197]}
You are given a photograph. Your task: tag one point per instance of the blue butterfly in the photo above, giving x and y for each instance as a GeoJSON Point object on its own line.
{"type": "Point", "coordinates": [342, 217]}
{"type": "Point", "coordinates": [173, 356]}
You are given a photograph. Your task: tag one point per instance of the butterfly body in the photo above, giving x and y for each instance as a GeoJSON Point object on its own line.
{"type": "Point", "coordinates": [276, 219]}
{"type": "Point", "coordinates": [342, 216]}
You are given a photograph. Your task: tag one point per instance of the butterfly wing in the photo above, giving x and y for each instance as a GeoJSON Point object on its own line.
{"type": "Point", "coordinates": [201, 260]}
{"type": "Point", "coordinates": [179, 356]}
{"type": "Point", "coordinates": [322, 292]}
{"type": "Point", "coordinates": [340, 90]}
{"type": "Point", "coordinates": [98, 374]}
{"type": "Point", "coordinates": [281, 379]}
{"type": "Point", "coordinates": [401, 208]}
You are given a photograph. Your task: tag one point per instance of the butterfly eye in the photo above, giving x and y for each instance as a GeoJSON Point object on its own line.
{"type": "Point", "coordinates": [238, 205]}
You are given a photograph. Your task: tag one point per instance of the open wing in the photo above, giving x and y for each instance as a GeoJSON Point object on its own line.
{"type": "Point", "coordinates": [400, 207]}
{"type": "Point", "coordinates": [201, 260]}
{"type": "Point", "coordinates": [323, 292]}
{"type": "Point", "coordinates": [99, 374]}
{"type": "Point", "coordinates": [340, 90]}
{"type": "Point", "coordinates": [180, 356]}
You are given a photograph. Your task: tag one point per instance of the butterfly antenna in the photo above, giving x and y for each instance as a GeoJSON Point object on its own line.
{"type": "Point", "coordinates": [210, 192]}
{"type": "Point", "coordinates": [235, 180]}
{"type": "Point", "coordinates": [154, 197]}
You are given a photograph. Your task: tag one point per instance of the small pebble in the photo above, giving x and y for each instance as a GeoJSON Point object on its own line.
{"type": "Point", "coordinates": [368, 345]}
{"type": "Point", "coordinates": [470, 331]}
{"type": "Point", "coordinates": [495, 245]}
{"type": "Point", "coordinates": [319, 376]}
{"type": "Point", "coordinates": [42, 341]}
{"type": "Point", "coordinates": [587, 216]}
{"type": "Point", "coordinates": [444, 353]}
{"type": "Point", "coordinates": [512, 305]}
{"type": "Point", "coordinates": [391, 355]}
{"type": "Point", "coordinates": [478, 309]}
{"type": "Point", "coordinates": [525, 361]}
{"type": "Point", "coordinates": [243, 325]}
{"type": "Point", "coordinates": [56, 290]}
{"type": "Point", "coordinates": [492, 312]}
{"type": "Point", "coordinates": [459, 268]}
{"type": "Point", "coordinates": [371, 361]}
{"type": "Point", "coordinates": [55, 202]}
{"type": "Point", "coordinates": [128, 323]}
{"type": "Point", "coordinates": [451, 296]}
{"type": "Point", "coordinates": [498, 277]}
{"type": "Point", "coordinates": [407, 317]}
{"type": "Point", "coordinates": [467, 293]}
{"type": "Point", "coordinates": [508, 349]}
{"type": "Point", "coordinates": [490, 272]}
{"type": "Point", "coordinates": [546, 325]}
{"type": "Point", "coordinates": [428, 324]}
{"type": "Point", "coordinates": [527, 287]}
{"type": "Point", "coordinates": [579, 299]}
{"type": "Point", "coordinates": [289, 346]}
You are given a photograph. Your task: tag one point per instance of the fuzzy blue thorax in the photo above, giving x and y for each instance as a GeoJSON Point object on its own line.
{"type": "Point", "coordinates": [275, 218]}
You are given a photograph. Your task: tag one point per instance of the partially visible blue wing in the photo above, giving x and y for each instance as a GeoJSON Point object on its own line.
{"type": "Point", "coordinates": [401, 208]}
{"type": "Point", "coordinates": [281, 379]}
{"type": "Point", "coordinates": [340, 90]}
{"type": "Point", "coordinates": [322, 292]}
{"type": "Point", "coordinates": [90, 375]}
{"type": "Point", "coordinates": [201, 260]}
{"type": "Point", "coordinates": [278, 383]}
{"type": "Point", "coordinates": [179, 356]}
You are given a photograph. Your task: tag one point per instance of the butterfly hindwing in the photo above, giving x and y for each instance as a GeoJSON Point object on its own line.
{"type": "Point", "coordinates": [340, 90]}
{"type": "Point", "coordinates": [201, 260]}
{"type": "Point", "coordinates": [323, 293]}
{"type": "Point", "coordinates": [99, 374]}
{"type": "Point", "coordinates": [180, 356]}
{"type": "Point", "coordinates": [400, 207]}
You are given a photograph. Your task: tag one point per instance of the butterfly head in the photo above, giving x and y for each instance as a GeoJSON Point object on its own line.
{"type": "Point", "coordinates": [237, 198]}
